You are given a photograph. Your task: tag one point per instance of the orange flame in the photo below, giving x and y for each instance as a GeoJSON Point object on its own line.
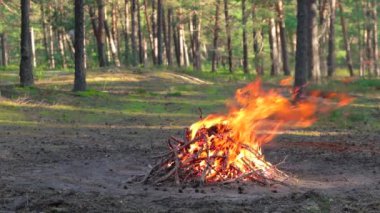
{"type": "Point", "coordinates": [286, 82]}
{"type": "Point", "coordinates": [231, 143]}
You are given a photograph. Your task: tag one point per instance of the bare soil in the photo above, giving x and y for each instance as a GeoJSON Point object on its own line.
{"type": "Point", "coordinates": [55, 165]}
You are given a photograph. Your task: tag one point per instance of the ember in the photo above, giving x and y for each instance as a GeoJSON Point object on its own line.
{"type": "Point", "coordinates": [227, 148]}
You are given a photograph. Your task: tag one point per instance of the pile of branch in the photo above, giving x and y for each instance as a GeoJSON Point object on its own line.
{"type": "Point", "coordinates": [199, 166]}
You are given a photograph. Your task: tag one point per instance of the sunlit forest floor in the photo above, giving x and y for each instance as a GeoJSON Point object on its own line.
{"type": "Point", "coordinates": [72, 152]}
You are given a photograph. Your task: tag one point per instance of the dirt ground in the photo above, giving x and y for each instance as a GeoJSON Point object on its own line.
{"type": "Point", "coordinates": [61, 152]}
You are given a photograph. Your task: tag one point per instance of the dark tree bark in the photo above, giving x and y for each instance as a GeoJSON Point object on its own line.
{"type": "Point", "coordinates": [175, 27]}
{"type": "Point", "coordinates": [346, 40]}
{"type": "Point", "coordinates": [375, 37]}
{"type": "Point", "coordinates": [168, 41]}
{"type": "Point", "coordinates": [284, 42]}
{"type": "Point", "coordinates": [127, 33]}
{"type": "Point", "coordinates": [134, 9]}
{"type": "Point", "coordinates": [245, 42]}
{"type": "Point", "coordinates": [44, 31]}
{"type": "Point", "coordinates": [80, 73]}
{"type": "Point", "coordinates": [302, 59]}
{"type": "Point", "coordinates": [149, 30]}
{"type": "Point", "coordinates": [4, 48]}
{"type": "Point", "coordinates": [139, 33]}
{"type": "Point", "coordinates": [331, 49]}
{"type": "Point", "coordinates": [216, 37]}
{"type": "Point", "coordinates": [228, 31]}
{"type": "Point", "coordinates": [26, 68]}
{"type": "Point", "coordinates": [101, 36]}
{"type": "Point", "coordinates": [196, 41]}
{"type": "Point", "coordinates": [51, 44]}
{"type": "Point", "coordinates": [154, 31]}
{"type": "Point", "coordinates": [159, 33]}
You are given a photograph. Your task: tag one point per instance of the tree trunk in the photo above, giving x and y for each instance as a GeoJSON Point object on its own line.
{"type": "Point", "coordinates": [134, 9]}
{"type": "Point", "coordinates": [112, 45]}
{"type": "Point", "coordinates": [149, 30]}
{"type": "Point", "coordinates": [331, 49]}
{"type": "Point", "coordinates": [257, 45]}
{"type": "Point", "coordinates": [245, 43]}
{"type": "Point", "coordinates": [127, 32]}
{"type": "Point", "coordinates": [346, 40]}
{"type": "Point", "coordinates": [228, 31]}
{"type": "Point", "coordinates": [44, 31]}
{"type": "Point", "coordinates": [51, 47]}
{"type": "Point", "coordinates": [100, 34]}
{"type": "Point", "coordinates": [196, 41]}
{"type": "Point", "coordinates": [154, 31]}
{"type": "Point", "coordinates": [69, 43]}
{"type": "Point", "coordinates": [284, 44]}
{"type": "Point", "coordinates": [33, 45]}
{"type": "Point", "coordinates": [176, 44]}
{"type": "Point", "coordinates": [115, 27]}
{"type": "Point", "coordinates": [375, 37]}
{"type": "Point", "coordinates": [216, 37]}
{"type": "Point", "coordinates": [80, 73]}
{"type": "Point", "coordinates": [258, 51]}
{"type": "Point", "coordinates": [139, 33]}
{"type": "Point", "coordinates": [302, 59]}
{"type": "Point", "coordinates": [274, 50]}
{"type": "Point", "coordinates": [159, 33]}
{"type": "Point", "coordinates": [26, 68]}
{"type": "Point", "coordinates": [168, 41]}
{"type": "Point", "coordinates": [324, 22]}
{"type": "Point", "coordinates": [4, 48]}
{"type": "Point", "coordinates": [314, 62]}
{"type": "Point", "coordinates": [61, 48]}
{"type": "Point", "coordinates": [181, 43]}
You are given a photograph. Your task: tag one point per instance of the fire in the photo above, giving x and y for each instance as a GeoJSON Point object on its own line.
{"type": "Point", "coordinates": [287, 81]}
{"type": "Point", "coordinates": [222, 148]}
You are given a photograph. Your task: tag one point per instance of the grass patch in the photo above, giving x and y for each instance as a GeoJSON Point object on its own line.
{"type": "Point", "coordinates": [91, 93]}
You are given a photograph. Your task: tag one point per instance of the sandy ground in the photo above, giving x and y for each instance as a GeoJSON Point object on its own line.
{"type": "Point", "coordinates": [95, 168]}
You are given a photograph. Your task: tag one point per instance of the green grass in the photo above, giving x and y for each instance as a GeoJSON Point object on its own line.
{"type": "Point", "coordinates": [179, 101]}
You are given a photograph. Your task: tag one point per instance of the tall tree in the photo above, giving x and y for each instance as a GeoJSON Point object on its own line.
{"type": "Point", "coordinates": [375, 36]}
{"type": "Point", "coordinates": [228, 31]}
{"type": "Point", "coordinates": [196, 23]}
{"type": "Point", "coordinates": [4, 49]}
{"type": "Point", "coordinates": [80, 73]}
{"type": "Point", "coordinates": [302, 58]}
{"type": "Point", "coordinates": [313, 37]}
{"type": "Point", "coordinates": [168, 40]}
{"type": "Point", "coordinates": [274, 48]}
{"type": "Point", "coordinates": [127, 32]}
{"type": "Point", "coordinates": [284, 43]}
{"type": "Point", "coordinates": [346, 41]}
{"type": "Point", "coordinates": [140, 36]}
{"type": "Point", "coordinates": [245, 42]}
{"type": "Point", "coordinates": [99, 31]}
{"type": "Point", "coordinates": [26, 68]}
{"type": "Point", "coordinates": [134, 9]}
{"type": "Point", "coordinates": [331, 49]}
{"type": "Point", "coordinates": [215, 36]}
{"type": "Point", "coordinates": [159, 32]}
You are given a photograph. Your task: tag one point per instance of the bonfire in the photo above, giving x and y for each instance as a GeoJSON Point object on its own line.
{"type": "Point", "coordinates": [227, 148]}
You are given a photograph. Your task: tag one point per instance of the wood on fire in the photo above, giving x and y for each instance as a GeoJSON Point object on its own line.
{"type": "Point", "coordinates": [203, 166]}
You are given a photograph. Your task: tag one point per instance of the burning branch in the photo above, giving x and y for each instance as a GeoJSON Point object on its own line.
{"type": "Point", "coordinates": [227, 148]}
